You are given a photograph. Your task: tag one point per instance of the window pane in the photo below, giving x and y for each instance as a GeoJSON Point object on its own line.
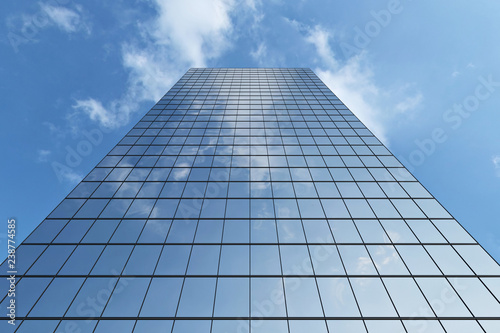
{"type": "Point", "coordinates": [232, 297]}
{"type": "Point", "coordinates": [197, 299]}
{"type": "Point", "coordinates": [302, 299]}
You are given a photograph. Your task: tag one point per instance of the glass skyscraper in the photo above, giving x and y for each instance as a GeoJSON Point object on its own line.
{"type": "Point", "coordinates": [251, 200]}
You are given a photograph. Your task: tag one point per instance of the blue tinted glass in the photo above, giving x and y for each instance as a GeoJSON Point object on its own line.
{"type": "Point", "coordinates": [130, 291]}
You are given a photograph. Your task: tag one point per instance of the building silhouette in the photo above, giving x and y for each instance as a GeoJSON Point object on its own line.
{"type": "Point", "coordinates": [251, 200]}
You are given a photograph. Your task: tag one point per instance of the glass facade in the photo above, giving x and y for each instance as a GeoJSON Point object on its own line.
{"type": "Point", "coordinates": [252, 200]}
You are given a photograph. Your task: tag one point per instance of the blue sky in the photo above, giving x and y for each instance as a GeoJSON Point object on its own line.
{"type": "Point", "coordinates": [422, 75]}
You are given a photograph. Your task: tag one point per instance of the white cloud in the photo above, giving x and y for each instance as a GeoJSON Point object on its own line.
{"type": "Point", "coordinates": [97, 112]}
{"type": "Point", "coordinates": [66, 19]}
{"type": "Point", "coordinates": [43, 155]}
{"type": "Point", "coordinates": [496, 163]}
{"type": "Point", "coordinates": [410, 103]}
{"type": "Point", "coordinates": [319, 37]}
{"type": "Point", "coordinates": [353, 81]}
{"type": "Point", "coordinates": [185, 33]}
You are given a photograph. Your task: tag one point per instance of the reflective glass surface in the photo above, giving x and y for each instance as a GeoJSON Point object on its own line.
{"type": "Point", "coordinates": [252, 200]}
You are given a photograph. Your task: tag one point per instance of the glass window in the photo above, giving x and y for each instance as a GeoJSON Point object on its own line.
{"type": "Point", "coordinates": [317, 231]}
{"type": "Point", "coordinates": [74, 231]}
{"type": "Point", "coordinates": [164, 208]}
{"type": "Point", "coordinates": [93, 297]}
{"type": "Point", "coordinates": [393, 190]}
{"type": "Point", "coordinates": [346, 326]}
{"type": "Point", "coordinates": [25, 256]}
{"type": "Point", "coordinates": [29, 326]}
{"type": "Point", "coordinates": [84, 190]}
{"type": "Point", "coordinates": [234, 260]}
{"type": "Point", "coordinates": [349, 190]}
{"type": "Point", "coordinates": [302, 299]}
{"type": "Point", "coordinates": [101, 231]}
{"type": "Point", "coordinates": [326, 260]}
{"type": "Point", "coordinates": [344, 231]}
{"type": "Point", "coordinates": [140, 208]}
{"type": "Point", "coordinates": [213, 208]}
{"type": "Point", "coordinates": [407, 208]}
{"type": "Point", "coordinates": [432, 208]}
{"type": "Point", "coordinates": [28, 290]}
{"type": "Point", "coordinates": [263, 231]}
{"type": "Point", "coordinates": [398, 231]}
{"type": "Point", "coordinates": [173, 260]}
{"type": "Point", "coordinates": [185, 326]}
{"type": "Point", "coordinates": [269, 326]}
{"type": "Point", "coordinates": [306, 326]}
{"type": "Point", "coordinates": [224, 326]}
{"type": "Point", "coordinates": [267, 297]}
{"type": "Point", "coordinates": [176, 189]}
{"type": "Point", "coordinates": [204, 260]}
{"type": "Point", "coordinates": [383, 208]}
{"type": "Point", "coordinates": [67, 208]}
{"type": "Point", "coordinates": [106, 190]}
{"type": "Point", "coordinates": [371, 231]}
{"type": "Point", "coordinates": [116, 208]}
{"type": "Point", "coordinates": [143, 260]}
{"type": "Point", "coordinates": [453, 231]}
{"type": "Point", "coordinates": [46, 231]}
{"type": "Point", "coordinates": [82, 260]}
{"type": "Point", "coordinates": [295, 260]}
{"type": "Point", "coordinates": [238, 208]}
{"type": "Point", "coordinates": [182, 231]}
{"type": "Point", "coordinates": [417, 260]}
{"type": "Point", "coordinates": [477, 258]}
{"type": "Point", "coordinates": [327, 190]}
{"type": "Point", "coordinates": [131, 294]}
{"type": "Point", "coordinates": [407, 298]}
{"type": "Point", "coordinates": [448, 260]}
{"type": "Point", "coordinates": [197, 298]}
{"type": "Point", "coordinates": [335, 208]}
{"type": "Point", "coordinates": [155, 231]}
{"type": "Point", "coordinates": [286, 208]}
{"type": "Point", "coordinates": [442, 298]}
{"type": "Point", "coordinates": [265, 260]}
{"type": "Point", "coordinates": [372, 298]}
{"type": "Point", "coordinates": [115, 326]}
{"type": "Point", "coordinates": [478, 299]}
{"type": "Point", "coordinates": [387, 260]}
{"type": "Point", "coordinates": [231, 298]}
{"type": "Point", "coordinates": [50, 262]}
{"type": "Point", "coordinates": [469, 326]}
{"type": "Point", "coordinates": [490, 325]}
{"type": "Point", "coordinates": [58, 301]}
{"type": "Point", "coordinates": [427, 326]}
{"type": "Point", "coordinates": [162, 298]}
{"type": "Point", "coordinates": [209, 231]}
{"type": "Point", "coordinates": [92, 208]}
{"type": "Point", "coordinates": [236, 231]}
{"type": "Point", "coordinates": [147, 326]}
{"type": "Point", "coordinates": [356, 260]}
{"type": "Point", "coordinates": [425, 231]}
{"type": "Point", "coordinates": [290, 231]}
{"type": "Point", "coordinates": [337, 297]}
{"type": "Point", "coordinates": [112, 260]}
{"type": "Point", "coordinates": [381, 326]}
{"type": "Point", "coordinates": [371, 190]}
{"type": "Point", "coordinates": [128, 231]}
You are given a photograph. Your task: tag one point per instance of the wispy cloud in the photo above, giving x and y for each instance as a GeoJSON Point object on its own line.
{"type": "Point", "coordinates": [496, 163]}
{"type": "Point", "coordinates": [43, 155]}
{"type": "Point", "coordinates": [185, 33]}
{"type": "Point", "coordinates": [354, 82]}
{"type": "Point", "coordinates": [66, 19]}
{"type": "Point", "coordinates": [410, 103]}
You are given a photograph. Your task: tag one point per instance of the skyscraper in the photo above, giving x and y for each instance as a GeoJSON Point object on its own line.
{"type": "Point", "coordinates": [251, 200]}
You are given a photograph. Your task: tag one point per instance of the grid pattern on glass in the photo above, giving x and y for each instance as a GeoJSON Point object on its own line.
{"type": "Point", "coordinates": [252, 200]}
